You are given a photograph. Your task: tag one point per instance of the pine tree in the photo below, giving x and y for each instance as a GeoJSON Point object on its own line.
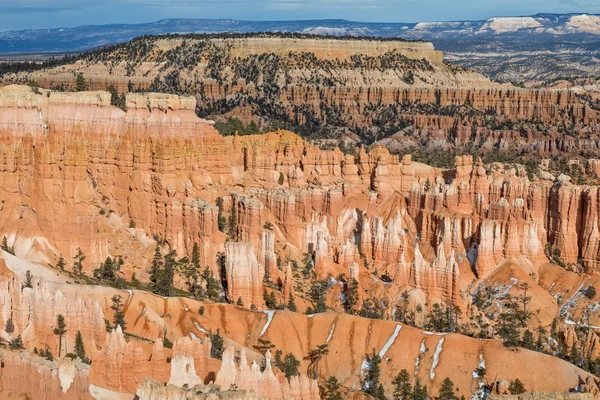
{"type": "Point", "coordinates": [373, 374]}
{"type": "Point", "coordinates": [28, 279]}
{"type": "Point", "coordinates": [263, 346]}
{"type": "Point", "coordinates": [221, 220]}
{"type": "Point", "coordinates": [331, 389]}
{"type": "Point", "coordinates": [119, 317]}
{"type": "Point", "coordinates": [351, 295]}
{"type": "Point", "coordinates": [240, 302]}
{"type": "Point", "coordinates": [196, 257]}
{"type": "Point", "coordinates": [420, 392]}
{"type": "Point", "coordinates": [217, 345]}
{"type": "Point", "coordinates": [290, 366]}
{"type": "Point", "coordinates": [9, 327]}
{"type": "Point", "coordinates": [528, 342]}
{"type": "Point", "coordinates": [79, 346]}
{"type": "Point", "coordinates": [447, 390]}
{"type": "Point", "coordinates": [292, 303]}
{"type": "Point", "coordinates": [539, 344]}
{"type": "Point", "coordinates": [78, 263]}
{"type": "Point", "coordinates": [61, 263]}
{"type": "Point", "coordinates": [402, 386]}
{"type": "Point", "coordinates": [6, 247]}
{"type": "Point", "coordinates": [80, 86]}
{"type": "Point", "coordinates": [516, 387]}
{"type": "Point", "coordinates": [314, 356]}
{"type": "Point", "coordinates": [16, 343]}
{"type": "Point", "coordinates": [60, 330]}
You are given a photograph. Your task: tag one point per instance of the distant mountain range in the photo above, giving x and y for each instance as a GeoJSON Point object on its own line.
{"type": "Point", "coordinates": [447, 36]}
{"type": "Point", "coordinates": [517, 49]}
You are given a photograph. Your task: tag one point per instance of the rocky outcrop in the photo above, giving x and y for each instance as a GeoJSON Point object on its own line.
{"type": "Point", "coordinates": [265, 384]}
{"type": "Point", "coordinates": [244, 275]}
{"type": "Point", "coordinates": [36, 378]}
{"type": "Point", "coordinates": [151, 389]}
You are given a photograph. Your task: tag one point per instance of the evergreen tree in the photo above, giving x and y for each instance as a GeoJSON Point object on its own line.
{"type": "Point", "coordinates": [119, 317]}
{"type": "Point", "coordinates": [240, 302]}
{"type": "Point", "coordinates": [6, 247]}
{"type": "Point", "coordinates": [9, 327]}
{"type": "Point", "coordinates": [528, 342]}
{"type": "Point", "coordinates": [80, 86]}
{"type": "Point", "coordinates": [213, 287]}
{"type": "Point", "coordinates": [539, 344]}
{"type": "Point", "coordinates": [196, 256]}
{"type": "Point", "coordinates": [109, 269]}
{"type": "Point", "coordinates": [263, 346]}
{"type": "Point", "coordinates": [16, 343]}
{"type": "Point", "coordinates": [419, 391]}
{"type": "Point", "coordinates": [292, 303]}
{"type": "Point", "coordinates": [290, 366]}
{"type": "Point", "coordinates": [402, 386]}
{"type": "Point", "coordinates": [221, 220]}
{"type": "Point", "coordinates": [331, 389]}
{"type": "Point", "coordinates": [60, 330]}
{"type": "Point", "coordinates": [78, 263]}
{"type": "Point", "coordinates": [61, 263]}
{"type": "Point", "coordinates": [351, 295]}
{"type": "Point", "coordinates": [373, 374]}
{"type": "Point", "coordinates": [28, 279]}
{"type": "Point", "coordinates": [447, 390]}
{"type": "Point", "coordinates": [314, 356]}
{"type": "Point", "coordinates": [217, 345]}
{"type": "Point", "coordinates": [317, 294]}
{"type": "Point", "coordinates": [516, 387]}
{"type": "Point", "coordinates": [80, 348]}
{"type": "Point", "coordinates": [524, 300]}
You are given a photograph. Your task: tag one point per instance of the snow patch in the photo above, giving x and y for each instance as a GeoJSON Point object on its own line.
{"type": "Point", "coordinates": [422, 351]}
{"type": "Point", "coordinates": [270, 314]}
{"type": "Point", "coordinates": [199, 328]}
{"type": "Point", "coordinates": [390, 341]}
{"type": "Point", "coordinates": [194, 337]}
{"type": "Point", "coordinates": [330, 333]}
{"type": "Point", "coordinates": [436, 358]}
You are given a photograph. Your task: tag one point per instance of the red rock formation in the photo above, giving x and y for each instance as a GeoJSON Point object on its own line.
{"type": "Point", "coordinates": [265, 384]}
{"type": "Point", "coordinates": [244, 274]}
{"type": "Point", "coordinates": [37, 378]}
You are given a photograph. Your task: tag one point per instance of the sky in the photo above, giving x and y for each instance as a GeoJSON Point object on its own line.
{"type": "Point", "coordinates": [34, 14]}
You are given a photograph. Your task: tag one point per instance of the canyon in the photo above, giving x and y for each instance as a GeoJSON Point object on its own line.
{"type": "Point", "coordinates": [401, 94]}
{"type": "Point", "coordinates": [274, 214]}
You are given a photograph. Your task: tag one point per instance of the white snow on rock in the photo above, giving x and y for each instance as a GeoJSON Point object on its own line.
{"type": "Point", "coordinates": [194, 337]}
{"type": "Point", "coordinates": [422, 351]}
{"type": "Point", "coordinates": [199, 328]}
{"type": "Point", "coordinates": [509, 24]}
{"type": "Point", "coordinates": [436, 358]}
{"type": "Point", "coordinates": [330, 333]}
{"type": "Point", "coordinates": [270, 314]}
{"type": "Point", "coordinates": [390, 341]}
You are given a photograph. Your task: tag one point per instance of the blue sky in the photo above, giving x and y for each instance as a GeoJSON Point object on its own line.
{"type": "Point", "coordinates": [28, 14]}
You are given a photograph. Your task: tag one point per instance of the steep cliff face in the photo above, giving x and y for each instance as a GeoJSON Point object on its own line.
{"type": "Point", "coordinates": [26, 376]}
{"type": "Point", "coordinates": [116, 186]}
{"type": "Point", "coordinates": [399, 93]}
{"type": "Point", "coordinates": [265, 384]}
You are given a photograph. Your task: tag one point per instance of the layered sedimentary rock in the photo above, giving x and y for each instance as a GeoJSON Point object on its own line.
{"type": "Point", "coordinates": [152, 389]}
{"type": "Point", "coordinates": [154, 172]}
{"type": "Point", "coordinates": [366, 86]}
{"type": "Point", "coordinates": [244, 274]}
{"type": "Point", "coordinates": [265, 384]}
{"type": "Point", "coordinates": [26, 376]}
